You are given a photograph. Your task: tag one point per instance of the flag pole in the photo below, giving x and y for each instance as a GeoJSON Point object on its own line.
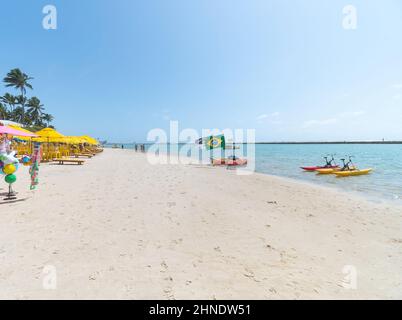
{"type": "Point", "coordinates": [211, 151]}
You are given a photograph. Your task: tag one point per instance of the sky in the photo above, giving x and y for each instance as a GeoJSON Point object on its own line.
{"type": "Point", "coordinates": [287, 68]}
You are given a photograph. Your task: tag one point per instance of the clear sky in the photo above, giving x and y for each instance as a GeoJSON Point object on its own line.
{"type": "Point", "coordinates": [116, 69]}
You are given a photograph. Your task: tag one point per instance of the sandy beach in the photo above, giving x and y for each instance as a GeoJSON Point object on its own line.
{"type": "Point", "coordinates": [121, 228]}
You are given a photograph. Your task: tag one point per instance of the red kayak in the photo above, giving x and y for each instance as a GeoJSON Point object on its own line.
{"type": "Point", "coordinates": [318, 167]}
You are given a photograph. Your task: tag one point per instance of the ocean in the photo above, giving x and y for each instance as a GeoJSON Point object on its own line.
{"type": "Point", "coordinates": [285, 160]}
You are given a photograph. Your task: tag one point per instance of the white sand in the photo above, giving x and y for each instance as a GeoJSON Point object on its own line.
{"type": "Point", "coordinates": [119, 227]}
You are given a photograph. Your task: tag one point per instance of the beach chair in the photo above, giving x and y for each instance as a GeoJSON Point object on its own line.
{"type": "Point", "coordinates": [62, 161]}
{"type": "Point", "coordinates": [65, 152]}
{"type": "Point", "coordinates": [88, 155]}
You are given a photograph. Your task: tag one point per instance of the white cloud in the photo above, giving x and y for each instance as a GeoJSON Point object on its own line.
{"type": "Point", "coordinates": [397, 96]}
{"type": "Point", "coordinates": [324, 122]}
{"type": "Point", "coordinates": [265, 116]}
{"type": "Point", "coordinates": [352, 113]}
{"type": "Point", "coordinates": [262, 116]}
{"type": "Point", "coordinates": [334, 119]}
{"type": "Point", "coordinates": [397, 86]}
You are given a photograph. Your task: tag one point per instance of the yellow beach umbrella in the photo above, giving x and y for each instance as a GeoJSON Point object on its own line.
{"type": "Point", "coordinates": [74, 140]}
{"type": "Point", "coordinates": [49, 135]}
{"type": "Point", "coordinates": [90, 140]}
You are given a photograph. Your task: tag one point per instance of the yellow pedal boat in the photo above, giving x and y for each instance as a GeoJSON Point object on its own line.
{"type": "Point", "coordinates": [356, 172]}
{"type": "Point", "coordinates": [330, 170]}
{"type": "Point", "coordinates": [327, 171]}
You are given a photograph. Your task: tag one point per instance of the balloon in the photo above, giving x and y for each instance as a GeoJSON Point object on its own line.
{"type": "Point", "coordinates": [9, 169]}
{"type": "Point", "coordinates": [11, 178]}
{"type": "Point", "coordinates": [1, 164]}
{"type": "Point", "coordinates": [8, 158]}
{"type": "Point", "coordinates": [25, 159]}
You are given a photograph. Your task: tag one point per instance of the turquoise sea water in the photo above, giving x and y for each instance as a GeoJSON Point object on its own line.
{"type": "Point", "coordinates": [385, 182]}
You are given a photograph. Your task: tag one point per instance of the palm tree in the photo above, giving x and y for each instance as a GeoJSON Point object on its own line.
{"type": "Point", "coordinates": [3, 111]}
{"type": "Point", "coordinates": [47, 118]}
{"type": "Point", "coordinates": [21, 101]}
{"type": "Point", "coordinates": [10, 100]}
{"type": "Point", "coordinates": [35, 110]}
{"type": "Point", "coordinates": [20, 81]}
{"type": "Point", "coordinates": [17, 115]}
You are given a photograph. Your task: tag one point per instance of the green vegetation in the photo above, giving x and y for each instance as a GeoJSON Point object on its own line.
{"type": "Point", "coordinates": [19, 108]}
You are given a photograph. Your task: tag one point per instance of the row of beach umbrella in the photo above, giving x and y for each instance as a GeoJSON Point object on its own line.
{"type": "Point", "coordinates": [48, 135]}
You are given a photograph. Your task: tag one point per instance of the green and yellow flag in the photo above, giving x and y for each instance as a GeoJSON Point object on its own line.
{"type": "Point", "coordinates": [214, 142]}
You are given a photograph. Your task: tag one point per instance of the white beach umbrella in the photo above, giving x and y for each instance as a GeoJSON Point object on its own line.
{"type": "Point", "coordinates": [9, 122]}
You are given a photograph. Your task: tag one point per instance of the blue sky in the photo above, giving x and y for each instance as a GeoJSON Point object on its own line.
{"type": "Point", "coordinates": [116, 69]}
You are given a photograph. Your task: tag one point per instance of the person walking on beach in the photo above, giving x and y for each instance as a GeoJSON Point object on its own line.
{"type": "Point", "coordinates": [4, 144]}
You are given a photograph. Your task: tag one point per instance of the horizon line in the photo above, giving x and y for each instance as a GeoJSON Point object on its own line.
{"type": "Point", "coordinates": [281, 142]}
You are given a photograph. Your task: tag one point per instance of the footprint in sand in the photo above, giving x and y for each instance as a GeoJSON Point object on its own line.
{"type": "Point", "coordinates": [164, 266]}
{"type": "Point", "coordinates": [178, 241]}
{"type": "Point", "coordinates": [250, 274]}
{"type": "Point", "coordinates": [168, 290]}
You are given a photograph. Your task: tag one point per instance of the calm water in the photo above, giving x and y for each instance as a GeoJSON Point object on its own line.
{"type": "Point", "coordinates": [385, 182]}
